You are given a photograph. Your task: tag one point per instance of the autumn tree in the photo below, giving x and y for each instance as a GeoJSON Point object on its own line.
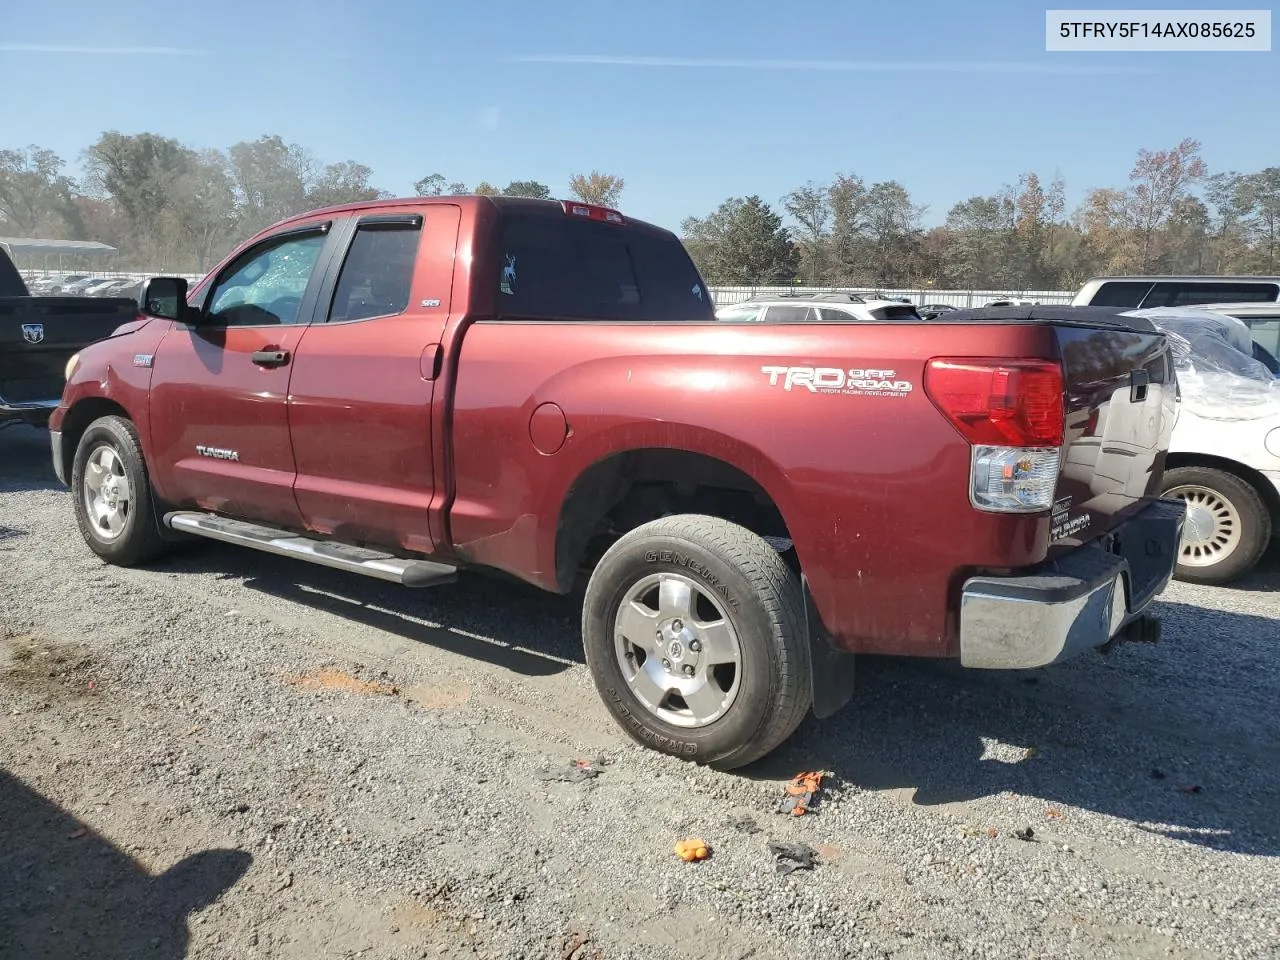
{"type": "Point", "coordinates": [527, 188]}
{"type": "Point", "coordinates": [1248, 208]}
{"type": "Point", "coordinates": [981, 237]}
{"type": "Point", "coordinates": [599, 188]}
{"type": "Point", "coordinates": [272, 179]}
{"type": "Point", "coordinates": [1159, 182]}
{"type": "Point", "coordinates": [346, 182]}
{"type": "Point", "coordinates": [743, 242]}
{"type": "Point", "coordinates": [810, 207]}
{"type": "Point", "coordinates": [203, 216]}
{"type": "Point", "coordinates": [892, 232]}
{"type": "Point", "coordinates": [1103, 219]}
{"type": "Point", "coordinates": [847, 196]}
{"type": "Point", "coordinates": [432, 185]}
{"type": "Point", "coordinates": [34, 191]}
{"type": "Point", "coordinates": [140, 174]}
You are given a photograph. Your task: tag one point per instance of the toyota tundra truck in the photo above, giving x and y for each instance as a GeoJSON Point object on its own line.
{"type": "Point", "coordinates": [409, 389]}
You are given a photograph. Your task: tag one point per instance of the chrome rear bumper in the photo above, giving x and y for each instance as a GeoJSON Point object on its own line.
{"type": "Point", "coordinates": [1075, 603]}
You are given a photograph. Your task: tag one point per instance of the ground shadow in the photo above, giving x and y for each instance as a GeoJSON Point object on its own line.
{"type": "Point", "coordinates": [508, 624]}
{"type": "Point", "coordinates": [1265, 577]}
{"type": "Point", "coordinates": [1180, 737]}
{"type": "Point", "coordinates": [25, 460]}
{"type": "Point", "coordinates": [66, 892]}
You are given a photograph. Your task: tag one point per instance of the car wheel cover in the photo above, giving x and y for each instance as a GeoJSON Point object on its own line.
{"type": "Point", "coordinates": [106, 492]}
{"type": "Point", "coordinates": [678, 651]}
{"type": "Point", "coordinates": [1213, 530]}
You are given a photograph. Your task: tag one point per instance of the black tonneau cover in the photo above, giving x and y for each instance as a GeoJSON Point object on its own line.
{"type": "Point", "coordinates": [1054, 313]}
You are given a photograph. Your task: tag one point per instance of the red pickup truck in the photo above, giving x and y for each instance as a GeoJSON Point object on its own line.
{"type": "Point", "coordinates": [404, 389]}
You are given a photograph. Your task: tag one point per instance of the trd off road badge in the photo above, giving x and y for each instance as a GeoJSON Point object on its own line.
{"type": "Point", "coordinates": [855, 382]}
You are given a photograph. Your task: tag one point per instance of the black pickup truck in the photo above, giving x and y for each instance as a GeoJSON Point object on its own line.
{"type": "Point", "coordinates": [38, 335]}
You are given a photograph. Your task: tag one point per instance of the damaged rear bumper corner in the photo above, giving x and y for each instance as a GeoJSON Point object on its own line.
{"type": "Point", "coordinates": [1075, 603]}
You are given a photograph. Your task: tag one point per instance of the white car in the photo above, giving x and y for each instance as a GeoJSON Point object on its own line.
{"type": "Point", "coordinates": [1224, 455]}
{"type": "Point", "coordinates": [1170, 291]}
{"type": "Point", "coordinates": [817, 308]}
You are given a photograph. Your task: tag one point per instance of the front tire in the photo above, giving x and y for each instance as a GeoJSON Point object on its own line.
{"type": "Point", "coordinates": [694, 629]}
{"type": "Point", "coordinates": [1228, 526]}
{"type": "Point", "coordinates": [112, 493]}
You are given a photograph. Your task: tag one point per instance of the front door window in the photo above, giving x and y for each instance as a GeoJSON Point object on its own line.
{"type": "Point", "coordinates": [265, 286]}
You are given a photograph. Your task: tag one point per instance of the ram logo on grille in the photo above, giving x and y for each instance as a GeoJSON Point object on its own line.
{"type": "Point", "coordinates": [33, 332]}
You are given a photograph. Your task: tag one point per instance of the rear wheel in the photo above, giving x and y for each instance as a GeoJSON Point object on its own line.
{"type": "Point", "coordinates": [113, 494]}
{"type": "Point", "coordinates": [1228, 526]}
{"type": "Point", "coordinates": [694, 630]}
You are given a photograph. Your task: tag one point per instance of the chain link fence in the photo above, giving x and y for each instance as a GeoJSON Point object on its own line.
{"type": "Point", "coordinates": [955, 298]}
{"type": "Point", "coordinates": [725, 295]}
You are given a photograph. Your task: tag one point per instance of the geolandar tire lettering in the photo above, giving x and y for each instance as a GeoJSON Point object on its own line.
{"type": "Point", "coordinates": [733, 644]}
{"type": "Point", "coordinates": [112, 494]}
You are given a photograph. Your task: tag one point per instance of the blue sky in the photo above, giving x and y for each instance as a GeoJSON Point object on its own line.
{"type": "Point", "coordinates": [653, 91]}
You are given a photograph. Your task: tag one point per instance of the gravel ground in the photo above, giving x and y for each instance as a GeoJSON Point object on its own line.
{"type": "Point", "coordinates": [230, 755]}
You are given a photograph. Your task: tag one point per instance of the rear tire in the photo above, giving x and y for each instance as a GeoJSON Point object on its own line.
{"type": "Point", "coordinates": [112, 492]}
{"type": "Point", "coordinates": [698, 606]}
{"type": "Point", "coordinates": [1228, 525]}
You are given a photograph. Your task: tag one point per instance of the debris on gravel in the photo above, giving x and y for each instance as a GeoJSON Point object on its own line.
{"type": "Point", "coordinates": [342, 768]}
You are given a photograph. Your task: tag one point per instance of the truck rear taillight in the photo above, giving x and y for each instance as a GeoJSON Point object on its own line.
{"type": "Point", "coordinates": [1013, 415]}
{"type": "Point", "coordinates": [590, 211]}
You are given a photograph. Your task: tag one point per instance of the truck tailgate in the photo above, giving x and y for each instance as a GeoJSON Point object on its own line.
{"type": "Point", "coordinates": [39, 334]}
{"type": "Point", "coordinates": [1121, 406]}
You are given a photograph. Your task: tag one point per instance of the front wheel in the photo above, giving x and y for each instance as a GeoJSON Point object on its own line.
{"type": "Point", "coordinates": [112, 493]}
{"type": "Point", "coordinates": [694, 629]}
{"type": "Point", "coordinates": [1227, 529]}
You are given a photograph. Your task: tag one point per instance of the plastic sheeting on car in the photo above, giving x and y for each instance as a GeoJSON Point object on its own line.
{"type": "Point", "coordinates": [1217, 374]}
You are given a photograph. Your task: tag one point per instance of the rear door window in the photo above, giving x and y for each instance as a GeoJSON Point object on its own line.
{"type": "Point", "coordinates": [378, 272]}
{"type": "Point", "coordinates": [1123, 293]}
{"type": "Point", "coordinates": [562, 268]}
{"type": "Point", "coordinates": [1175, 294]}
{"type": "Point", "coordinates": [789, 313]}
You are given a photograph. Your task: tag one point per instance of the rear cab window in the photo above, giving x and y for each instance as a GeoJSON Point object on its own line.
{"type": "Point", "coordinates": [556, 267]}
{"type": "Point", "coordinates": [1183, 294]}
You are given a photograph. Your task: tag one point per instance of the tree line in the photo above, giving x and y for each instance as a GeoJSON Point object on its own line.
{"type": "Point", "coordinates": [168, 206]}
{"type": "Point", "coordinates": [1173, 216]}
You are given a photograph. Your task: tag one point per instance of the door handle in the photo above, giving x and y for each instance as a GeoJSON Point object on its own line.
{"type": "Point", "coordinates": [271, 358]}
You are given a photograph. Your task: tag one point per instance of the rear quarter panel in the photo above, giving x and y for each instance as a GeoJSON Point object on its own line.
{"type": "Point", "coordinates": [873, 488]}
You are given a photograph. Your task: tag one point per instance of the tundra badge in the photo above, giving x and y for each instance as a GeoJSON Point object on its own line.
{"type": "Point", "coordinates": [217, 453]}
{"type": "Point", "coordinates": [33, 332]}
